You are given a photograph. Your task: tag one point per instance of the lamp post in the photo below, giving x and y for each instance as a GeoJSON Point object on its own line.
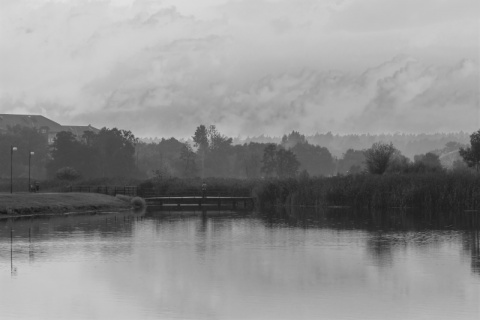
{"type": "Point", "coordinates": [30, 154]}
{"type": "Point", "coordinates": [12, 148]}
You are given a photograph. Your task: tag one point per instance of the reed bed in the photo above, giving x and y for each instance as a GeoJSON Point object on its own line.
{"type": "Point", "coordinates": [428, 191]}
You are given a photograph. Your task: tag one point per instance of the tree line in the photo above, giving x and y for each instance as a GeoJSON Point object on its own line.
{"type": "Point", "coordinates": [118, 153]}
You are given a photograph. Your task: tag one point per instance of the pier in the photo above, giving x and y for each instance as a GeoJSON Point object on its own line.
{"type": "Point", "coordinates": [200, 202]}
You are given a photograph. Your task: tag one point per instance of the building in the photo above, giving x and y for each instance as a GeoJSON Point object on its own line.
{"type": "Point", "coordinates": [44, 125]}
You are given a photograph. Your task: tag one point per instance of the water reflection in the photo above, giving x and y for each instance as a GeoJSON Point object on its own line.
{"type": "Point", "coordinates": [471, 245]}
{"type": "Point", "coordinates": [239, 265]}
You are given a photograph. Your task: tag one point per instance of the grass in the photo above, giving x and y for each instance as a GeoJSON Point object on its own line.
{"type": "Point", "coordinates": [45, 203]}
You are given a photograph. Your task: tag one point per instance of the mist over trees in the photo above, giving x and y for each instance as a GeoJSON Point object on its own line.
{"type": "Point", "coordinates": [408, 144]}
{"type": "Point", "coordinates": [114, 153]}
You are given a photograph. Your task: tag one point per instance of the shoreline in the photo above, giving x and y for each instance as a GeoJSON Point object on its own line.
{"type": "Point", "coordinates": [45, 204]}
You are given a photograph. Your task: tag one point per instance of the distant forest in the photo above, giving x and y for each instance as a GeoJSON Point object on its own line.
{"type": "Point", "coordinates": [318, 155]}
{"type": "Point", "coordinates": [409, 144]}
{"type": "Point", "coordinates": [118, 153]}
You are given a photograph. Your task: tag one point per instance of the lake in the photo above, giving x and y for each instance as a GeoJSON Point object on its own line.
{"type": "Point", "coordinates": [239, 265]}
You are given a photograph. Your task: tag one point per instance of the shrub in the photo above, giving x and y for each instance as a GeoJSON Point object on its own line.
{"type": "Point", "coordinates": [138, 202]}
{"type": "Point", "coordinates": [67, 173]}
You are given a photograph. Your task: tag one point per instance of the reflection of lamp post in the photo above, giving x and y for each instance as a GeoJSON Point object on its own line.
{"type": "Point", "coordinates": [12, 148]}
{"type": "Point", "coordinates": [31, 153]}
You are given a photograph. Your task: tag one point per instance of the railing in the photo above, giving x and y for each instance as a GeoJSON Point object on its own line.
{"type": "Point", "coordinates": [110, 190]}
{"type": "Point", "coordinates": [196, 193]}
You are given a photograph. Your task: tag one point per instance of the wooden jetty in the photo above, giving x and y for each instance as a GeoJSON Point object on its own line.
{"type": "Point", "coordinates": [200, 202]}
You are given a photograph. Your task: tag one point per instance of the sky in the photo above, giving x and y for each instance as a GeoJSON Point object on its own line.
{"type": "Point", "coordinates": [250, 67]}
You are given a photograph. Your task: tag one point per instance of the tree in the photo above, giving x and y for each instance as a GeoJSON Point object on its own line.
{"type": "Point", "coordinates": [315, 159]}
{"type": "Point", "coordinates": [378, 157]}
{"type": "Point", "coordinates": [293, 139]}
{"type": "Point", "coordinates": [187, 157]}
{"type": "Point", "coordinates": [429, 159]}
{"type": "Point", "coordinates": [280, 162]}
{"type": "Point", "coordinates": [352, 159]}
{"type": "Point", "coordinates": [269, 160]}
{"type": "Point", "coordinates": [115, 149]}
{"type": "Point", "coordinates": [67, 173]}
{"type": "Point", "coordinates": [287, 163]}
{"type": "Point", "coordinates": [219, 153]}
{"type": "Point", "coordinates": [200, 139]}
{"type": "Point", "coordinates": [214, 150]}
{"type": "Point", "coordinates": [471, 155]}
{"type": "Point", "coordinates": [66, 152]}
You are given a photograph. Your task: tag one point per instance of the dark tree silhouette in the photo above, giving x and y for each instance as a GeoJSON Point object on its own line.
{"type": "Point", "coordinates": [187, 157]}
{"type": "Point", "coordinates": [269, 161]}
{"type": "Point", "coordinates": [378, 157]}
{"type": "Point", "coordinates": [287, 164]}
{"type": "Point", "coordinates": [200, 139]}
{"type": "Point", "coordinates": [471, 155]}
{"type": "Point", "coordinates": [279, 162]}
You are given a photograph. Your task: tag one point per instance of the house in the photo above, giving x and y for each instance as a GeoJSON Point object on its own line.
{"type": "Point", "coordinates": [44, 125]}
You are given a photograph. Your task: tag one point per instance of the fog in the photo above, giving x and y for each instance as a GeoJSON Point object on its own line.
{"type": "Point", "coordinates": [160, 68]}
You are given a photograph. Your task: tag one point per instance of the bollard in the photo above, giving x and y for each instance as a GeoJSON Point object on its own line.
{"type": "Point", "coordinates": [29, 234]}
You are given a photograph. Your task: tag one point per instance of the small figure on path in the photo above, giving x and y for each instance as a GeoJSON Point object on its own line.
{"type": "Point", "coordinates": [37, 186]}
{"type": "Point", "coordinates": [204, 189]}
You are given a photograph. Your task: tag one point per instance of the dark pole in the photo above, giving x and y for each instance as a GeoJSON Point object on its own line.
{"type": "Point", "coordinates": [29, 158]}
{"type": "Point", "coordinates": [11, 169]}
{"type": "Point", "coordinates": [12, 148]}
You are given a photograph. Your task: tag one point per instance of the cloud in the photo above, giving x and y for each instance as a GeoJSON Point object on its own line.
{"type": "Point", "coordinates": [251, 67]}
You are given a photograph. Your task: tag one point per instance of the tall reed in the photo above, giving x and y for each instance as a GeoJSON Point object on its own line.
{"type": "Point", "coordinates": [429, 191]}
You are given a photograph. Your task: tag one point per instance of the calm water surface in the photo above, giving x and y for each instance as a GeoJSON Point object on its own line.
{"type": "Point", "coordinates": [237, 265]}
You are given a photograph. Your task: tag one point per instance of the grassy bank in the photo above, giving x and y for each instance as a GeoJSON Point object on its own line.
{"type": "Point", "coordinates": [48, 203]}
{"type": "Point", "coordinates": [431, 192]}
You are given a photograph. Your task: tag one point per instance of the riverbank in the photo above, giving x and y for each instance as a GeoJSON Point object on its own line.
{"type": "Point", "coordinates": [17, 204]}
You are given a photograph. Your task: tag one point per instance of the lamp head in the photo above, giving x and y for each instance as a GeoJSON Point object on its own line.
{"type": "Point", "coordinates": [32, 153]}
{"type": "Point", "coordinates": [14, 148]}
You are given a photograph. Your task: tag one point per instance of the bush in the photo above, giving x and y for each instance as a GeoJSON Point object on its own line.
{"type": "Point", "coordinates": [67, 173]}
{"type": "Point", "coordinates": [138, 202]}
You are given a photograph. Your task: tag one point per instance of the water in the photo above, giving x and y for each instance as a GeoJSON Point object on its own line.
{"type": "Point", "coordinates": [238, 265]}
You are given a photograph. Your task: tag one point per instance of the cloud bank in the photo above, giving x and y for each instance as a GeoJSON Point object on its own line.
{"type": "Point", "coordinates": [250, 67]}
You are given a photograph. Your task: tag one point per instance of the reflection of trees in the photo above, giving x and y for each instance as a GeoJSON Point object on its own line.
{"type": "Point", "coordinates": [371, 220]}
{"type": "Point", "coordinates": [471, 245]}
{"type": "Point", "coordinates": [31, 236]}
{"type": "Point", "coordinates": [380, 248]}
{"type": "Point", "coordinates": [201, 236]}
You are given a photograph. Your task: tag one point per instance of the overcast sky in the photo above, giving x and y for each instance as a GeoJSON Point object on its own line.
{"type": "Point", "coordinates": [161, 68]}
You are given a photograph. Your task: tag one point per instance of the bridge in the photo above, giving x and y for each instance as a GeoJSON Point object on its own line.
{"type": "Point", "coordinates": [200, 202]}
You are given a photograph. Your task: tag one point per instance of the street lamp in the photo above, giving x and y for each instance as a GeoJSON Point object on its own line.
{"type": "Point", "coordinates": [30, 154]}
{"type": "Point", "coordinates": [12, 148]}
